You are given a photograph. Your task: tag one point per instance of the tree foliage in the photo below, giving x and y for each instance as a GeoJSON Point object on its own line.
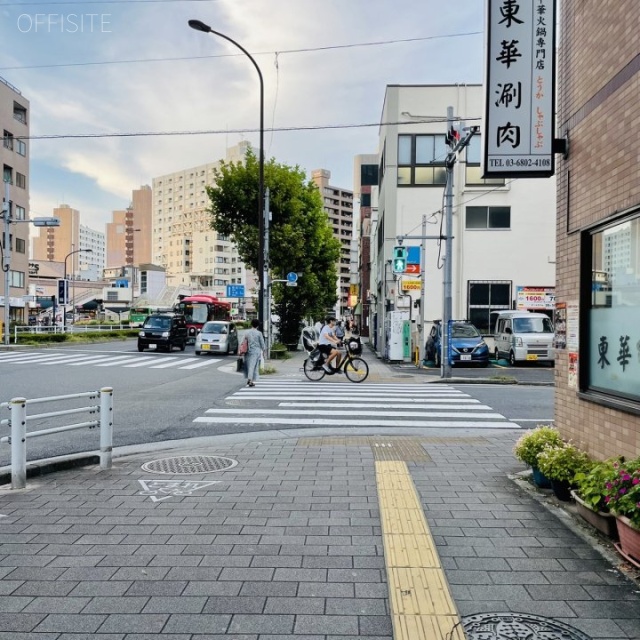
{"type": "Point", "coordinates": [300, 236]}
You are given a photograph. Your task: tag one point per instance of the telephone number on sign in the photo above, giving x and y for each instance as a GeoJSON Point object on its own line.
{"type": "Point", "coordinates": [527, 162]}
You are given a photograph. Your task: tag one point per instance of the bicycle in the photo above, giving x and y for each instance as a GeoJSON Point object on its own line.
{"type": "Point", "coordinates": [354, 367]}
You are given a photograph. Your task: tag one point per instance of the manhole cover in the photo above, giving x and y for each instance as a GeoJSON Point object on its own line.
{"type": "Point", "coordinates": [189, 464]}
{"type": "Point", "coordinates": [485, 626]}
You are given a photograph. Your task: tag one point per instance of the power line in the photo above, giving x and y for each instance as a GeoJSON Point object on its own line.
{"type": "Point", "coordinates": [230, 55]}
{"type": "Point", "coordinates": [147, 134]}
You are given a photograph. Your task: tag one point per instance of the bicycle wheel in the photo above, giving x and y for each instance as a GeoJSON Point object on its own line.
{"type": "Point", "coordinates": [314, 374]}
{"type": "Point", "coordinates": [356, 370]}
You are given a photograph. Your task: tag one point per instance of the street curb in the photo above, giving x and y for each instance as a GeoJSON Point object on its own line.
{"type": "Point", "coordinates": [51, 465]}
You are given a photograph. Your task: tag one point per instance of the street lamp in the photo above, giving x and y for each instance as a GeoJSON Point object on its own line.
{"type": "Point", "coordinates": [64, 311]}
{"type": "Point", "coordinates": [263, 315]}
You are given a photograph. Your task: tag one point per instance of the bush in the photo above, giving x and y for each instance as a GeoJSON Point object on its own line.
{"type": "Point", "coordinates": [623, 491]}
{"type": "Point", "coordinates": [562, 463]}
{"type": "Point", "coordinates": [591, 484]}
{"type": "Point", "coordinates": [533, 442]}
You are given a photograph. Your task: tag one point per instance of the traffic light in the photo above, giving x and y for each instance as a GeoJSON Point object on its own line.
{"type": "Point", "coordinates": [453, 137]}
{"type": "Point", "coordinates": [63, 291]}
{"type": "Point", "coordinates": [400, 259]}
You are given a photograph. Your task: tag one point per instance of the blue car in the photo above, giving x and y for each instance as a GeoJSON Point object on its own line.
{"type": "Point", "coordinates": [467, 345]}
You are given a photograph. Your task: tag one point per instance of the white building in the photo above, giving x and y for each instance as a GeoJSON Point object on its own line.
{"type": "Point", "coordinates": [183, 243]}
{"type": "Point", "coordinates": [504, 231]}
{"type": "Point", "coordinates": [91, 265]}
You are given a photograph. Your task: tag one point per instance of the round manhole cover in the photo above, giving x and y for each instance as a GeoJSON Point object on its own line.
{"type": "Point", "coordinates": [189, 465]}
{"type": "Point", "coordinates": [518, 625]}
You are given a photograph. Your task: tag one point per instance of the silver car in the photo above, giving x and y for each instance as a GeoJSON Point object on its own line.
{"type": "Point", "coordinates": [217, 336]}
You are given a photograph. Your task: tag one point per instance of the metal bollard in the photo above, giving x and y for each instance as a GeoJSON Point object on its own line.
{"type": "Point", "coordinates": [18, 407]}
{"type": "Point", "coordinates": [106, 427]}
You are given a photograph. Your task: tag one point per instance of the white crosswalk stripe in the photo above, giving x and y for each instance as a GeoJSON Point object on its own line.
{"type": "Point", "coordinates": [300, 403]}
{"type": "Point", "coordinates": [49, 358]}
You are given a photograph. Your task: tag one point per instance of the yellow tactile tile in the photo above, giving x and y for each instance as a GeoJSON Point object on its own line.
{"type": "Point", "coordinates": [410, 551]}
{"type": "Point", "coordinates": [431, 627]}
{"type": "Point", "coordinates": [421, 604]}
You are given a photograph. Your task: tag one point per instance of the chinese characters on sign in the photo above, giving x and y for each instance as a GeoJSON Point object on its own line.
{"type": "Point", "coordinates": [520, 89]}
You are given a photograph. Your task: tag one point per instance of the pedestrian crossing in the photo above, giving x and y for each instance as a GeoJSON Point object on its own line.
{"type": "Point", "coordinates": [300, 403]}
{"type": "Point", "coordinates": [124, 361]}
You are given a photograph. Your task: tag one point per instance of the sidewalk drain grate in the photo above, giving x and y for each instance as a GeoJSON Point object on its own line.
{"type": "Point", "coordinates": [189, 465]}
{"type": "Point", "coordinates": [518, 625]}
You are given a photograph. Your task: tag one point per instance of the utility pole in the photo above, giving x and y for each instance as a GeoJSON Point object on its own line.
{"type": "Point", "coordinates": [423, 287]}
{"type": "Point", "coordinates": [447, 306]}
{"type": "Point", "coordinates": [6, 263]}
{"type": "Point", "coordinates": [456, 144]}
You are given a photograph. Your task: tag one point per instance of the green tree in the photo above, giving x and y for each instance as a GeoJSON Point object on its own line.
{"type": "Point", "coordinates": [300, 236]}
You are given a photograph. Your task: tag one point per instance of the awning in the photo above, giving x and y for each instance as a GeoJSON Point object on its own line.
{"type": "Point", "coordinates": [357, 309]}
{"type": "Point", "coordinates": [90, 305]}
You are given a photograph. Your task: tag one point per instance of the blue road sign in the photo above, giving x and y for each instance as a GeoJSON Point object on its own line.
{"type": "Point", "coordinates": [292, 276]}
{"type": "Point", "coordinates": [235, 291]}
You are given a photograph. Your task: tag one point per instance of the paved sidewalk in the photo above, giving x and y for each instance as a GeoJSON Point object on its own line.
{"type": "Point", "coordinates": [303, 535]}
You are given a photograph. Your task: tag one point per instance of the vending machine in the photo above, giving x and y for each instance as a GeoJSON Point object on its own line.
{"type": "Point", "coordinates": [398, 336]}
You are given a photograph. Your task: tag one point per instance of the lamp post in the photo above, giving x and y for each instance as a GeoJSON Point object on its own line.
{"type": "Point", "coordinates": [64, 310]}
{"type": "Point", "coordinates": [264, 315]}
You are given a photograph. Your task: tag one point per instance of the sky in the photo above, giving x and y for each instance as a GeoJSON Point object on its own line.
{"type": "Point", "coordinates": [122, 67]}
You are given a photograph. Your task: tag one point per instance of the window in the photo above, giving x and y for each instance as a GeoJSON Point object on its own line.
{"type": "Point", "coordinates": [473, 171]}
{"type": "Point", "coordinates": [21, 180]}
{"type": "Point", "coordinates": [483, 297]}
{"type": "Point", "coordinates": [16, 279]}
{"type": "Point", "coordinates": [488, 217]}
{"type": "Point", "coordinates": [7, 174]}
{"type": "Point", "coordinates": [368, 174]}
{"type": "Point", "coordinates": [21, 246]}
{"type": "Point", "coordinates": [611, 274]}
{"type": "Point", "coordinates": [20, 213]}
{"type": "Point", "coordinates": [21, 147]}
{"type": "Point", "coordinates": [7, 140]}
{"type": "Point", "coordinates": [421, 160]}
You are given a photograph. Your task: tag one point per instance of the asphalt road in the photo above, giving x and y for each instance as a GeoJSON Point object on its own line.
{"type": "Point", "coordinates": [160, 397]}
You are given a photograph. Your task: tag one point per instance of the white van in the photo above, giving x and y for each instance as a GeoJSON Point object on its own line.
{"type": "Point", "coordinates": [523, 336]}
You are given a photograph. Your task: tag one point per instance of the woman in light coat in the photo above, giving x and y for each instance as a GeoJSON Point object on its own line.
{"type": "Point", "coordinates": [255, 349]}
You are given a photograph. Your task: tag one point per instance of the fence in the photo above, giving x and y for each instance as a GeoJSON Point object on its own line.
{"type": "Point", "coordinates": [18, 425]}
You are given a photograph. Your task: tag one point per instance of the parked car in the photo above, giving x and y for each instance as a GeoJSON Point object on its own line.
{"type": "Point", "coordinates": [163, 331]}
{"type": "Point", "coordinates": [467, 344]}
{"type": "Point", "coordinates": [217, 336]}
{"type": "Point", "coordinates": [523, 336]}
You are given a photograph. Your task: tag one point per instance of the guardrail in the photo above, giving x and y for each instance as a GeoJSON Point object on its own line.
{"type": "Point", "coordinates": [18, 425]}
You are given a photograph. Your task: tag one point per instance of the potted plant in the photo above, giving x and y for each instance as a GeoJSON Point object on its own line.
{"type": "Point", "coordinates": [591, 493]}
{"type": "Point", "coordinates": [623, 499]}
{"type": "Point", "coordinates": [531, 444]}
{"type": "Point", "coordinates": [561, 464]}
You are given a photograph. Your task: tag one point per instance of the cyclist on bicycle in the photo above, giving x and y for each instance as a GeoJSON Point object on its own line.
{"type": "Point", "coordinates": [328, 344]}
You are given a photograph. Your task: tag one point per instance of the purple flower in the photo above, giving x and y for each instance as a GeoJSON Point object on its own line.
{"type": "Point", "coordinates": [607, 499]}
{"type": "Point", "coordinates": [635, 481]}
{"type": "Point", "coordinates": [622, 491]}
{"type": "Point", "coordinates": [626, 477]}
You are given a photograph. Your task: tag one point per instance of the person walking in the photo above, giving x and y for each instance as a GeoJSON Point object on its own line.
{"type": "Point", "coordinates": [255, 349]}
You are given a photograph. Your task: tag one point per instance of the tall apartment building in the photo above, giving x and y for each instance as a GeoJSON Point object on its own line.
{"type": "Point", "coordinates": [129, 234]}
{"type": "Point", "coordinates": [598, 228]}
{"type": "Point", "coordinates": [338, 203]}
{"type": "Point", "coordinates": [62, 244]}
{"type": "Point", "coordinates": [192, 254]}
{"type": "Point", "coordinates": [14, 119]}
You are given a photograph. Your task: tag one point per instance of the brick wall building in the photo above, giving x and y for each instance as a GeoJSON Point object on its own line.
{"type": "Point", "coordinates": [598, 227]}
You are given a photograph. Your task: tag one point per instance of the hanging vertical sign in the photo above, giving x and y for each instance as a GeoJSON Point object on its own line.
{"type": "Point", "coordinates": [519, 116]}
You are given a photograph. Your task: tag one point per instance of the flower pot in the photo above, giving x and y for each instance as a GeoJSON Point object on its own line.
{"type": "Point", "coordinates": [540, 480]}
{"type": "Point", "coordinates": [602, 521]}
{"type": "Point", "coordinates": [561, 490]}
{"type": "Point", "coordinates": [629, 545]}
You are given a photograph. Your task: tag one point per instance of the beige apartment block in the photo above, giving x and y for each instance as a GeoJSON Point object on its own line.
{"type": "Point", "coordinates": [338, 204]}
{"type": "Point", "coordinates": [56, 243]}
{"type": "Point", "coordinates": [14, 152]}
{"type": "Point", "coordinates": [192, 254]}
{"type": "Point", "coordinates": [116, 232]}
{"type": "Point", "coordinates": [129, 232]}
{"type": "Point", "coordinates": [598, 228]}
